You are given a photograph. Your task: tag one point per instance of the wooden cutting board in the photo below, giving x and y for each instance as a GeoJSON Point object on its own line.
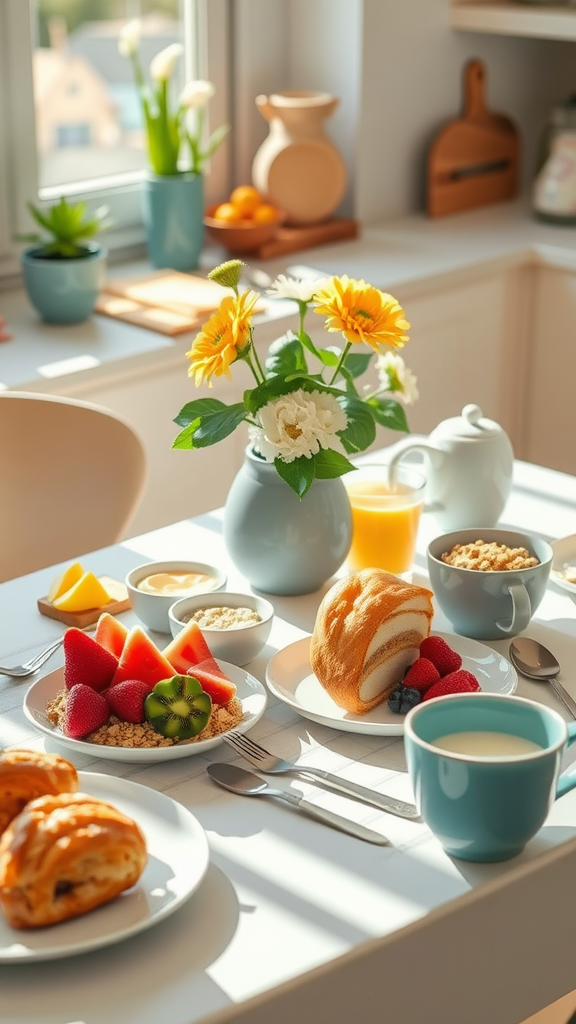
{"type": "Point", "coordinates": [119, 602]}
{"type": "Point", "coordinates": [475, 160]}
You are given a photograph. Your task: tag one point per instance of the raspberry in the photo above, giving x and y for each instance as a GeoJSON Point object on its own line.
{"type": "Point", "coordinates": [403, 698]}
{"type": "Point", "coordinates": [460, 681]}
{"type": "Point", "coordinates": [86, 710]}
{"type": "Point", "coordinates": [440, 654]}
{"type": "Point", "coordinates": [421, 675]}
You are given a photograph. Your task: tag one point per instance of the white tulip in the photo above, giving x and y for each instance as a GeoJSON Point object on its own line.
{"type": "Point", "coordinates": [196, 94]}
{"type": "Point", "coordinates": [129, 38]}
{"type": "Point", "coordinates": [163, 63]}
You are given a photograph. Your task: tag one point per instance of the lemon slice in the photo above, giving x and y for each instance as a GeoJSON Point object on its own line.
{"type": "Point", "coordinates": [65, 581]}
{"type": "Point", "coordinates": [87, 593]}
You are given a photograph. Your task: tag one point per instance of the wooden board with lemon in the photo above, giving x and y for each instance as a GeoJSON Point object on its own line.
{"type": "Point", "coordinates": [77, 597]}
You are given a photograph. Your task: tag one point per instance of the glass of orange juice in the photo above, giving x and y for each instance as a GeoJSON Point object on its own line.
{"type": "Point", "coordinates": [385, 517]}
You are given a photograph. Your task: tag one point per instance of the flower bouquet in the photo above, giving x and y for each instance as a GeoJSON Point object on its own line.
{"type": "Point", "coordinates": [307, 422]}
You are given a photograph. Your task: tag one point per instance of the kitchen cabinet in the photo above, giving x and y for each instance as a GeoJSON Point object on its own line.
{"type": "Point", "coordinates": [515, 19]}
{"type": "Point", "coordinates": [549, 407]}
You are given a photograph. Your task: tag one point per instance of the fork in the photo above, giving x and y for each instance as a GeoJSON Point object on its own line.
{"type": "Point", "coordinates": [268, 763]}
{"type": "Point", "coordinates": [32, 666]}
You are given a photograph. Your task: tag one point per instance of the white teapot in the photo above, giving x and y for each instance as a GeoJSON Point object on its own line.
{"type": "Point", "coordinates": [469, 469]}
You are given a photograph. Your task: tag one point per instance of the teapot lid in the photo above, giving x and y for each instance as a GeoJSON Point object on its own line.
{"type": "Point", "coordinates": [471, 425]}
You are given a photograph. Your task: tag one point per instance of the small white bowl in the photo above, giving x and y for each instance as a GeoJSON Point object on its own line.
{"type": "Point", "coordinates": [238, 645]}
{"type": "Point", "coordinates": [152, 609]}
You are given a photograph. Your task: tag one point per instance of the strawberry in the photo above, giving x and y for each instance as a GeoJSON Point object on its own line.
{"type": "Point", "coordinates": [440, 654]}
{"type": "Point", "coordinates": [85, 661]}
{"type": "Point", "coordinates": [460, 681]}
{"type": "Point", "coordinates": [86, 710]}
{"type": "Point", "coordinates": [421, 675]}
{"type": "Point", "coordinates": [127, 699]}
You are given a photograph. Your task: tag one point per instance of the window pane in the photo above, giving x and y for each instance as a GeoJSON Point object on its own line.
{"type": "Point", "coordinates": [88, 118]}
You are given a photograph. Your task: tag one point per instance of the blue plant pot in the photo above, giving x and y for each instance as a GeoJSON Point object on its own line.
{"type": "Point", "coordinates": [280, 544]}
{"type": "Point", "coordinates": [173, 208]}
{"type": "Point", "coordinates": [64, 291]}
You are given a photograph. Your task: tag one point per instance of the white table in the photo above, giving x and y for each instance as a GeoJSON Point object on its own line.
{"type": "Point", "coordinates": [295, 922]}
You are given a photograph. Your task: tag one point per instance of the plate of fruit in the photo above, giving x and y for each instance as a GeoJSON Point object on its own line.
{"type": "Point", "coordinates": [120, 697]}
{"type": "Point", "coordinates": [447, 664]}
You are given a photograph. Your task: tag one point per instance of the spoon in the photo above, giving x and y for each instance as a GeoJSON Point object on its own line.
{"type": "Point", "coordinates": [246, 783]}
{"type": "Point", "coordinates": [535, 661]}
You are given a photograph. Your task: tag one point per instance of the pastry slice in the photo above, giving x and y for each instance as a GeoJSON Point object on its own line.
{"type": "Point", "coordinates": [27, 774]}
{"type": "Point", "coordinates": [368, 630]}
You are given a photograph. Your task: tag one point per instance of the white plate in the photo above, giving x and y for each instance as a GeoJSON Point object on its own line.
{"type": "Point", "coordinates": [564, 555]}
{"type": "Point", "coordinates": [178, 858]}
{"type": "Point", "coordinates": [250, 692]}
{"type": "Point", "coordinates": [290, 678]}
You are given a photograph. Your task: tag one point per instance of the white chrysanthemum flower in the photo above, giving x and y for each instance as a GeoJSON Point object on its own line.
{"type": "Point", "coordinates": [300, 423]}
{"type": "Point", "coordinates": [129, 38]}
{"type": "Point", "coordinates": [163, 64]}
{"type": "Point", "coordinates": [196, 94]}
{"type": "Point", "coordinates": [395, 376]}
{"type": "Point", "coordinates": [293, 288]}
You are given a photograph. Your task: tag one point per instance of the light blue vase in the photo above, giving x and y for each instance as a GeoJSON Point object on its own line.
{"type": "Point", "coordinates": [64, 291]}
{"type": "Point", "coordinates": [280, 544]}
{"type": "Point", "coordinates": [173, 208]}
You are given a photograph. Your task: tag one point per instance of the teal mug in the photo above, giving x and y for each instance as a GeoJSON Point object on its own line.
{"type": "Point", "coordinates": [488, 788]}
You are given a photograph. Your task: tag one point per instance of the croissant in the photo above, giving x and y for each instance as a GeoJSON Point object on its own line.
{"type": "Point", "coordinates": [367, 632]}
{"type": "Point", "coordinates": [27, 774]}
{"type": "Point", "coordinates": [64, 855]}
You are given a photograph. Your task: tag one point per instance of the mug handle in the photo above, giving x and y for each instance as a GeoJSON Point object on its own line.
{"type": "Point", "coordinates": [567, 782]}
{"type": "Point", "coordinates": [521, 609]}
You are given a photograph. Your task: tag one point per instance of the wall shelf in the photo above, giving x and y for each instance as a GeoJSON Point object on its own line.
{"type": "Point", "coordinates": [515, 19]}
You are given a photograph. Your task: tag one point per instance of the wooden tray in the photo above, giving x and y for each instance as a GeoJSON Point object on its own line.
{"type": "Point", "coordinates": [120, 603]}
{"type": "Point", "coordinates": [294, 239]}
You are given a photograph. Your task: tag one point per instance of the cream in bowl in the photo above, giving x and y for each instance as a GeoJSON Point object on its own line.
{"type": "Point", "coordinates": [235, 626]}
{"type": "Point", "coordinates": [155, 586]}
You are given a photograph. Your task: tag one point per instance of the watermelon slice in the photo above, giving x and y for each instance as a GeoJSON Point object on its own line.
{"type": "Point", "coordinates": [218, 686]}
{"type": "Point", "coordinates": [188, 648]}
{"type": "Point", "coordinates": [111, 634]}
{"type": "Point", "coordinates": [141, 659]}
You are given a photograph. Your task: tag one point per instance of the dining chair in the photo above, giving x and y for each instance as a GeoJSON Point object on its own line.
{"type": "Point", "coordinates": [71, 477]}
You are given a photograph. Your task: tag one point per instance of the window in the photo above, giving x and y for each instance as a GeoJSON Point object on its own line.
{"type": "Point", "coordinates": [70, 119]}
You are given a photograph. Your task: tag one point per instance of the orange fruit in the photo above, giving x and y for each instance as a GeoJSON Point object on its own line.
{"type": "Point", "coordinates": [228, 213]}
{"type": "Point", "coordinates": [265, 214]}
{"type": "Point", "coordinates": [246, 199]}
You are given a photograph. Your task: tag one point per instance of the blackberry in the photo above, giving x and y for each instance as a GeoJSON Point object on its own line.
{"type": "Point", "coordinates": [403, 698]}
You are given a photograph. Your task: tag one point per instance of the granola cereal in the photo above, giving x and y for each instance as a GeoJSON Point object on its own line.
{"type": "Point", "coordinates": [116, 733]}
{"type": "Point", "coordinates": [224, 617]}
{"type": "Point", "coordinates": [489, 557]}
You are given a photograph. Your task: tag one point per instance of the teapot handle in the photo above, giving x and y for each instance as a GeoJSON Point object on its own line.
{"type": "Point", "coordinates": [412, 444]}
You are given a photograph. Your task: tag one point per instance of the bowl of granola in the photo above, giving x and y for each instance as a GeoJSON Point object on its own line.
{"type": "Point", "coordinates": [235, 626]}
{"type": "Point", "coordinates": [489, 582]}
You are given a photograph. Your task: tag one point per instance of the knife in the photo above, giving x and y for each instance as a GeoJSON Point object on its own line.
{"type": "Point", "coordinates": [368, 796]}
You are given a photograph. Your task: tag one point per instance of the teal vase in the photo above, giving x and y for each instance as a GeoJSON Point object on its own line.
{"type": "Point", "coordinates": [280, 544]}
{"type": "Point", "coordinates": [173, 208]}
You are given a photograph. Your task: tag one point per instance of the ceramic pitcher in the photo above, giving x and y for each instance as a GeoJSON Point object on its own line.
{"type": "Point", "coordinates": [298, 167]}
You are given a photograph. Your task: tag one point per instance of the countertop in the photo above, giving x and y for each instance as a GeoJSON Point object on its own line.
{"type": "Point", "coordinates": [405, 255]}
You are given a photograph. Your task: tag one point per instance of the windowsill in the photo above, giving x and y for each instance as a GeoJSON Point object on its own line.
{"type": "Point", "coordinates": [414, 253]}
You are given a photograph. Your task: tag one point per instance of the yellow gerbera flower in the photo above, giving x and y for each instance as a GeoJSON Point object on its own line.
{"type": "Point", "coordinates": [362, 313]}
{"type": "Point", "coordinates": [226, 333]}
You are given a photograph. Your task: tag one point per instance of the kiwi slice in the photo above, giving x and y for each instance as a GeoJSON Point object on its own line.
{"type": "Point", "coordinates": [178, 707]}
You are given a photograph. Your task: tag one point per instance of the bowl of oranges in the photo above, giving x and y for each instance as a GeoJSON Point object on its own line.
{"type": "Point", "coordinates": [244, 221]}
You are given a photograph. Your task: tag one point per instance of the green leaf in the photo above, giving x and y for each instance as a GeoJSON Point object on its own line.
{"type": "Point", "coordinates": [357, 362]}
{"type": "Point", "coordinates": [328, 357]}
{"type": "Point", "coordinates": [309, 344]}
{"type": "Point", "coordinates": [185, 439]}
{"type": "Point", "coordinates": [199, 407]}
{"type": "Point", "coordinates": [286, 355]}
{"type": "Point", "coordinates": [215, 426]}
{"type": "Point", "coordinates": [360, 432]}
{"type": "Point", "coordinates": [389, 413]}
{"type": "Point", "coordinates": [298, 474]}
{"type": "Point", "coordinates": [329, 464]}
